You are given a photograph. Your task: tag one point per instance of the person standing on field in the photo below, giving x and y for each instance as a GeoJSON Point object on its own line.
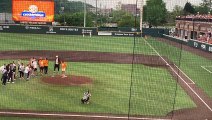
{"type": "Point", "coordinates": [41, 65]}
{"type": "Point", "coordinates": [2, 70]}
{"type": "Point", "coordinates": [46, 64]}
{"type": "Point", "coordinates": [57, 64]}
{"type": "Point", "coordinates": [10, 73]}
{"type": "Point", "coordinates": [35, 67]}
{"type": "Point", "coordinates": [4, 76]}
{"type": "Point", "coordinates": [27, 71]}
{"type": "Point", "coordinates": [14, 70]}
{"type": "Point", "coordinates": [21, 70]}
{"type": "Point", "coordinates": [63, 65]}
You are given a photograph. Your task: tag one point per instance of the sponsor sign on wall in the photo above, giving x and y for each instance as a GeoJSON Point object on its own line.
{"type": "Point", "coordinates": [33, 10]}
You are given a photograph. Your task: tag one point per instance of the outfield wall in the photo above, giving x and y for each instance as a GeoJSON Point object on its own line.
{"type": "Point", "coordinates": [193, 43]}
{"type": "Point", "coordinates": [67, 30]}
{"type": "Point", "coordinates": [64, 30]}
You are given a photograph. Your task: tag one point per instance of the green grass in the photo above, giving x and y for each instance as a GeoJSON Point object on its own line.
{"type": "Point", "coordinates": [110, 92]}
{"type": "Point", "coordinates": [58, 42]}
{"type": "Point", "coordinates": [189, 63]}
{"type": "Point", "coordinates": [152, 90]}
{"type": "Point", "coordinates": [209, 68]}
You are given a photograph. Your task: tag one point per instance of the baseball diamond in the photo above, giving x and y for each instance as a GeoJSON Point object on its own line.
{"type": "Point", "coordinates": [105, 60]}
{"type": "Point", "coordinates": [114, 62]}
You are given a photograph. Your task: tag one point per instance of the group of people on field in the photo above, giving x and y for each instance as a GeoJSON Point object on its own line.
{"type": "Point", "coordinates": [9, 71]}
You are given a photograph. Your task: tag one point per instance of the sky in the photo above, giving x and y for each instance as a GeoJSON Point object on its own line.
{"type": "Point", "coordinates": [112, 3]}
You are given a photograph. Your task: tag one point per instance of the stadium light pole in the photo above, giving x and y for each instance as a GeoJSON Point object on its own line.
{"type": "Point", "coordinates": [85, 13]}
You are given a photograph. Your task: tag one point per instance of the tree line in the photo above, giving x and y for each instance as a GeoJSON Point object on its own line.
{"type": "Point", "coordinates": [71, 13]}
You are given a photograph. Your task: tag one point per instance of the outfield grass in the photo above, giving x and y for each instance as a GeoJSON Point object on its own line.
{"type": "Point", "coordinates": [188, 62]}
{"type": "Point", "coordinates": [153, 88]}
{"type": "Point", "coordinates": [66, 42]}
{"type": "Point", "coordinates": [110, 92]}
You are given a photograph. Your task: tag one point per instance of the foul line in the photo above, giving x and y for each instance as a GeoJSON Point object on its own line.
{"type": "Point", "coordinates": [206, 69]}
{"type": "Point", "coordinates": [192, 82]}
{"type": "Point", "coordinates": [180, 77]}
{"type": "Point", "coordinates": [72, 115]}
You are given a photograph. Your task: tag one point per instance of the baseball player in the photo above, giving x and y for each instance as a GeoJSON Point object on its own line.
{"type": "Point", "coordinates": [63, 65]}
{"type": "Point", "coordinates": [85, 99]}
{"type": "Point", "coordinates": [46, 64]}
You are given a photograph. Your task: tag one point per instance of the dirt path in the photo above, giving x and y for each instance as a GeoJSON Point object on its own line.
{"type": "Point", "coordinates": [203, 102]}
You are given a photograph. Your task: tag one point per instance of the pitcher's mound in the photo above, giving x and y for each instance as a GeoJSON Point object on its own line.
{"type": "Point", "coordinates": [67, 81]}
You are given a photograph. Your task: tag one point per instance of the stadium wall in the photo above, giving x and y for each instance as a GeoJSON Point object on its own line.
{"type": "Point", "coordinates": [67, 30]}
{"type": "Point", "coordinates": [193, 43]}
{"type": "Point", "coordinates": [64, 30]}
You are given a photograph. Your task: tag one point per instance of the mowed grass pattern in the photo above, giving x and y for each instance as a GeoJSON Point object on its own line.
{"type": "Point", "coordinates": [188, 62]}
{"type": "Point", "coordinates": [66, 42]}
{"type": "Point", "coordinates": [152, 88]}
{"type": "Point", "coordinates": [110, 92]}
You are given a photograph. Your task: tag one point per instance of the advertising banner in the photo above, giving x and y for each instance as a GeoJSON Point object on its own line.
{"type": "Point", "coordinates": [37, 29]}
{"type": "Point", "coordinates": [33, 10]}
{"type": "Point", "coordinates": [200, 45]}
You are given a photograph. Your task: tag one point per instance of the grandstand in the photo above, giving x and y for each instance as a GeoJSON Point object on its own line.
{"type": "Point", "coordinates": [196, 27]}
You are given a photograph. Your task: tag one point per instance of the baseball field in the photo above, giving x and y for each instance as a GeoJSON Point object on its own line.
{"type": "Point", "coordinates": [127, 77]}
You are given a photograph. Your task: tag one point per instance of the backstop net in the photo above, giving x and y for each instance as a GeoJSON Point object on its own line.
{"type": "Point", "coordinates": [103, 59]}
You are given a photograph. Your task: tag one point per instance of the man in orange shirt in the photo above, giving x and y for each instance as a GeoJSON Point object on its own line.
{"type": "Point", "coordinates": [63, 65]}
{"type": "Point", "coordinates": [46, 64]}
{"type": "Point", "coordinates": [41, 65]}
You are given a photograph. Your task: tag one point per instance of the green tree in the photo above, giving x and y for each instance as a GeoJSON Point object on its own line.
{"type": "Point", "coordinates": [156, 12]}
{"type": "Point", "coordinates": [70, 6]}
{"type": "Point", "coordinates": [6, 6]}
{"type": "Point", "coordinates": [188, 9]}
{"type": "Point", "coordinates": [171, 16]}
{"type": "Point", "coordinates": [204, 7]}
{"type": "Point", "coordinates": [75, 19]}
{"type": "Point", "coordinates": [206, 3]}
{"type": "Point", "coordinates": [127, 21]}
{"type": "Point", "coordinates": [145, 13]}
{"type": "Point", "coordinates": [124, 19]}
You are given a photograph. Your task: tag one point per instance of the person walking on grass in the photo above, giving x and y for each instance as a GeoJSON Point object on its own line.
{"type": "Point", "coordinates": [63, 65]}
{"type": "Point", "coordinates": [35, 67]}
{"type": "Point", "coordinates": [27, 71]}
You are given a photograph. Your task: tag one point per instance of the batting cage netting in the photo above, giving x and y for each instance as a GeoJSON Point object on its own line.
{"type": "Point", "coordinates": [106, 59]}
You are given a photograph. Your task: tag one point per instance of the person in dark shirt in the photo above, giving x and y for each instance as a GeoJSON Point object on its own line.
{"type": "Point", "coordinates": [4, 76]}
{"type": "Point", "coordinates": [56, 65]}
{"type": "Point", "coordinates": [10, 73]}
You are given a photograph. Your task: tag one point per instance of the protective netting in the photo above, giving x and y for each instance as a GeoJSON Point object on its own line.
{"type": "Point", "coordinates": [72, 50]}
